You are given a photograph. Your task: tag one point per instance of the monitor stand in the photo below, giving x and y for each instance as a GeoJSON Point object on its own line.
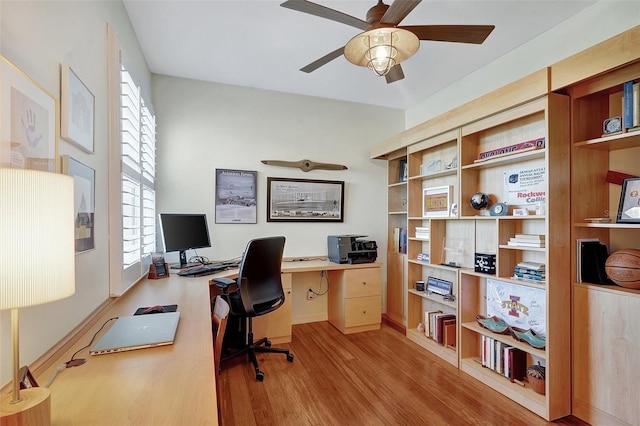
{"type": "Point", "coordinates": [183, 262]}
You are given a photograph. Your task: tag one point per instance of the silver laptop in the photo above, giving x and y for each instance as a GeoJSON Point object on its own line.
{"type": "Point", "coordinates": [138, 332]}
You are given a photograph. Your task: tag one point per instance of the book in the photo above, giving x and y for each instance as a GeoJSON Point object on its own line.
{"type": "Point", "coordinates": [427, 322]}
{"type": "Point", "coordinates": [636, 104]}
{"type": "Point", "coordinates": [533, 237]}
{"type": "Point", "coordinates": [517, 365]}
{"type": "Point", "coordinates": [439, 328]}
{"type": "Point", "coordinates": [532, 265]}
{"type": "Point", "coordinates": [579, 242]}
{"type": "Point", "coordinates": [627, 104]}
{"type": "Point", "coordinates": [449, 332]}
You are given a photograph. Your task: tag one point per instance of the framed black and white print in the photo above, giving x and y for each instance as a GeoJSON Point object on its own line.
{"type": "Point", "coordinates": [84, 183]}
{"type": "Point", "coordinates": [304, 200]}
{"type": "Point", "coordinates": [78, 111]}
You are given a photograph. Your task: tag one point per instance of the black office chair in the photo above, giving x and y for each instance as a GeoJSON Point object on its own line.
{"type": "Point", "coordinates": [257, 291]}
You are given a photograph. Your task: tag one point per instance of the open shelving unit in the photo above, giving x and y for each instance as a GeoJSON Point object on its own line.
{"type": "Point", "coordinates": [602, 314]}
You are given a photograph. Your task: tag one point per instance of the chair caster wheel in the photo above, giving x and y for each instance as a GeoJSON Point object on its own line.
{"type": "Point", "coordinates": [290, 357]}
{"type": "Point", "coordinates": [259, 376]}
{"type": "Point", "coordinates": [267, 343]}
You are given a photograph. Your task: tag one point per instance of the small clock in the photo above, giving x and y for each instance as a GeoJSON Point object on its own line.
{"type": "Point", "coordinates": [498, 209]}
{"type": "Point", "coordinates": [612, 125]}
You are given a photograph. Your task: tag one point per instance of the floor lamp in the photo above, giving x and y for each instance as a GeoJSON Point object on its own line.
{"type": "Point", "coordinates": [37, 266]}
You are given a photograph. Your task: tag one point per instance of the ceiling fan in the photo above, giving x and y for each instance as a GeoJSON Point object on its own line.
{"type": "Point", "coordinates": [384, 44]}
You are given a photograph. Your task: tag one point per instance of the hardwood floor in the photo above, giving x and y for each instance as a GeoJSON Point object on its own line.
{"type": "Point", "coordinates": [371, 378]}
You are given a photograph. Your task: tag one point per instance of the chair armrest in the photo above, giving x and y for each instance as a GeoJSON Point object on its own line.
{"type": "Point", "coordinates": [223, 283]}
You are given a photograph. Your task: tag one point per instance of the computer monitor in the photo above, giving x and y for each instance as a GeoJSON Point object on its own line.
{"type": "Point", "coordinates": [182, 232]}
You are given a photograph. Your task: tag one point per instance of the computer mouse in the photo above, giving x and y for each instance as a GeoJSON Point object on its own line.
{"type": "Point", "coordinates": [157, 309]}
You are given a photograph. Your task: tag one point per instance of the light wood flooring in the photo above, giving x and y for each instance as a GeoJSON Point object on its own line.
{"type": "Point", "coordinates": [371, 378]}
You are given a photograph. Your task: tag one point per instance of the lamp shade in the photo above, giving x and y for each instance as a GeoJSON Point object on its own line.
{"type": "Point", "coordinates": [37, 262]}
{"type": "Point", "coordinates": [381, 48]}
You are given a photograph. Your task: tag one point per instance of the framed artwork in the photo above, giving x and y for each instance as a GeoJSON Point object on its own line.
{"type": "Point", "coordinates": [28, 117]}
{"type": "Point", "coordinates": [436, 201]}
{"type": "Point", "coordinates": [83, 202]}
{"type": "Point", "coordinates": [629, 207]}
{"type": "Point", "coordinates": [304, 200]}
{"type": "Point", "coordinates": [236, 196]}
{"type": "Point", "coordinates": [78, 111]}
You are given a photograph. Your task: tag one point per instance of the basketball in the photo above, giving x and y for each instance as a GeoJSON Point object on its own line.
{"type": "Point", "coordinates": [623, 267]}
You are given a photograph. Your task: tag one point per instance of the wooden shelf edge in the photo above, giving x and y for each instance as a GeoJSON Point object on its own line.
{"type": "Point", "coordinates": [504, 338]}
{"type": "Point", "coordinates": [448, 355]}
{"type": "Point", "coordinates": [613, 142]}
{"type": "Point", "coordinates": [513, 158]}
{"type": "Point", "coordinates": [433, 298]}
{"type": "Point", "coordinates": [524, 396]}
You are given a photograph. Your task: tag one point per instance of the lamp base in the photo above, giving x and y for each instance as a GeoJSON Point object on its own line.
{"type": "Point", "coordinates": [33, 409]}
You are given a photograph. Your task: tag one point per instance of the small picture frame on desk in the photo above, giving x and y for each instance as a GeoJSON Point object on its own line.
{"type": "Point", "coordinates": [629, 207]}
{"type": "Point", "coordinates": [158, 268]}
{"type": "Point", "coordinates": [26, 378]}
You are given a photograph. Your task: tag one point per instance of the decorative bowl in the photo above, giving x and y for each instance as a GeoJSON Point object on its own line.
{"type": "Point", "coordinates": [495, 324]}
{"type": "Point", "coordinates": [528, 336]}
{"type": "Point", "coordinates": [536, 378]}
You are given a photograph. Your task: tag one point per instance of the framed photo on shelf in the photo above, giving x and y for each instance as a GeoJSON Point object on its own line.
{"type": "Point", "coordinates": [84, 183]}
{"type": "Point", "coordinates": [629, 207]}
{"type": "Point", "coordinates": [236, 196]}
{"type": "Point", "coordinates": [78, 111]}
{"type": "Point", "coordinates": [436, 201]}
{"type": "Point", "coordinates": [403, 171]}
{"type": "Point", "coordinates": [304, 200]}
{"type": "Point", "coordinates": [28, 117]}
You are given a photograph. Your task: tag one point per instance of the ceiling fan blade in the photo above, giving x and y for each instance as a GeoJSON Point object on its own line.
{"type": "Point", "coordinates": [394, 74]}
{"type": "Point", "coordinates": [398, 10]}
{"type": "Point", "coordinates": [325, 12]}
{"type": "Point", "coordinates": [322, 61]}
{"type": "Point", "coordinates": [475, 34]}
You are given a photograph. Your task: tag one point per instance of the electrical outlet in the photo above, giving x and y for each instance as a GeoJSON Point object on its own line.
{"type": "Point", "coordinates": [310, 295]}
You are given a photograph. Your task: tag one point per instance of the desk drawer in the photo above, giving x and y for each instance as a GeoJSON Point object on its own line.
{"type": "Point", "coordinates": [362, 311]}
{"type": "Point", "coordinates": [363, 282]}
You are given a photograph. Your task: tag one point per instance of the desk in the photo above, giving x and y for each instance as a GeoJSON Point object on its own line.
{"type": "Point", "coordinates": [166, 385]}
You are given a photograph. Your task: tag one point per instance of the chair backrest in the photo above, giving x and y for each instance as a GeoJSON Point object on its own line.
{"type": "Point", "coordinates": [259, 277]}
{"type": "Point", "coordinates": [219, 318]}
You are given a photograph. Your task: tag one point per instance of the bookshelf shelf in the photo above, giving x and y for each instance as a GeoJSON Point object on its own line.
{"type": "Point", "coordinates": [437, 349]}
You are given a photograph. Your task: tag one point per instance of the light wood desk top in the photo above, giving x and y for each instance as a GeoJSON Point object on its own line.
{"type": "Point", "coordinates": [168, 385]}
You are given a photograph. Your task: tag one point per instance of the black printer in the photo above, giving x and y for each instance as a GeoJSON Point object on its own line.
{"type": "Point", "coordinates": [351, 249]}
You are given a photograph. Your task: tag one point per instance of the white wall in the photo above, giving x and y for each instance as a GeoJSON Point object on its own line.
{"type": "Point", "coordinates": [597, 23]}
{"type": "Point", "coordinates": [204, 126]}
{"type": "Point", "coordinates": [37, 36]}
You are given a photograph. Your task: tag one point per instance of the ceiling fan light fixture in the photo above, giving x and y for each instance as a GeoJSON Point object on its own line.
{"type": "Point", "coordinates": [382, 48]}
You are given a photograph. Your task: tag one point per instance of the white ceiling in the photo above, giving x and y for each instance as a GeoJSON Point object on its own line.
{"type": "Point", "coordinates": [262, 45]}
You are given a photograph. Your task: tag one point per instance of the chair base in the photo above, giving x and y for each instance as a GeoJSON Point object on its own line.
{"type": "Point", "coordinates": [261, 346]}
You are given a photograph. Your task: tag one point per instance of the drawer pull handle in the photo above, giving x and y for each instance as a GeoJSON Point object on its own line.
{"type": "Point", "coordinates": [364, 283]}
{"type": "Point", "coordinates": [364, 312]}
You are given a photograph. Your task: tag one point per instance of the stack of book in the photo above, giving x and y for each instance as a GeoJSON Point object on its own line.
{"type": "Point", "coordinates": [440, 327]}
{"type": "Point", "coordinates": [422, 233]}
{"type": "Point", "coordinates": [527, 240]}
{"type": "Point", "coordinates": [503, 358]}
{"type": "Point", "coordinates": [530, 271]}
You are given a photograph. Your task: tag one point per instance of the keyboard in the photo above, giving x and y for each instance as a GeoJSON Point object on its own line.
{"type": "Point", "coordinates": [209, 269]}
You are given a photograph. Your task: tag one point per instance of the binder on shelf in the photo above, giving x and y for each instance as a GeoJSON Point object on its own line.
{"type": "Point", "coordinates": [593, 256]}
